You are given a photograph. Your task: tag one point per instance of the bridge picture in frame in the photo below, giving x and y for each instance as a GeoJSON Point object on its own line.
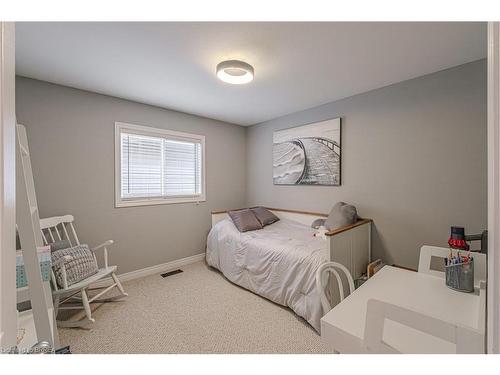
{"type": "Point", "coordinates": [308, 154]}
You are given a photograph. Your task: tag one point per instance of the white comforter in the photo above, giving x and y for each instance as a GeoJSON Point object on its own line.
{"type": "Point", "coordinates": [278, 262]}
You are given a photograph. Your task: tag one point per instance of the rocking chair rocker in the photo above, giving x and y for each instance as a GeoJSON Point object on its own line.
{"type": "Point", "coordinates": [60, 228]}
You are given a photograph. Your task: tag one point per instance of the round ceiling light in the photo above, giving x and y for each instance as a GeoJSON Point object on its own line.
{"type": "Point", "coordinates": [235, 72]}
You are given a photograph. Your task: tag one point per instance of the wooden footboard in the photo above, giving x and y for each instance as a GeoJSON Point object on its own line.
{"type": "Point", "coordinates": [350, 246]}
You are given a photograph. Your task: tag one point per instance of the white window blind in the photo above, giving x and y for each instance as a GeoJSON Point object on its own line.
{"type": "Point", "coordinates": [160, 166]}
{"type": "Point", "coordinates": [182, 168]}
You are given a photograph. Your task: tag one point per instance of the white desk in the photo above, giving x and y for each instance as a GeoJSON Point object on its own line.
{"type": "Point", "coordinates": [344, 326]}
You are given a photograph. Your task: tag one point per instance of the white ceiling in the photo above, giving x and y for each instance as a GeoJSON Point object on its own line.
{"type": "Point", "coordinates": [297, 65]}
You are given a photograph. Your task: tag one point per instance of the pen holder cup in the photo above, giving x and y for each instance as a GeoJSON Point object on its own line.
{"type": "Point", "coordinates": [460, 276]}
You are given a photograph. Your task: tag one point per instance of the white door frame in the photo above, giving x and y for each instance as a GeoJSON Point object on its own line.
{"type": "Point", "coordinates": [493, 330]}
{"type": "Point", "coordinates": [8, 314]}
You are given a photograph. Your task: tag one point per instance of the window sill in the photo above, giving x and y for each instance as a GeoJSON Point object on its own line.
{"type": "Point", "coordinates": [156, 201]}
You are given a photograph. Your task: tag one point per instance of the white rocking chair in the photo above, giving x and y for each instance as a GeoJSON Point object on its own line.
{"type": "Point", "coordinates": [61, 228]}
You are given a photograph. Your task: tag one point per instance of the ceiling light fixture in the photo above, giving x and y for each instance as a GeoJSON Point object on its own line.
{"type": "Point", "coordinates": [235, 72]}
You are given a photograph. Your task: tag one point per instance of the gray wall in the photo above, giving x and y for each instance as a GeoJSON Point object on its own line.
{"type": "Point", "coordinates": [413, 159]}
{"type": "Point", "coordinates": [71, 135]}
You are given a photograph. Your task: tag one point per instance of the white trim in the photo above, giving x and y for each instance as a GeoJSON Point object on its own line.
{"type": "Point", "coordinates": [155, 201]}
{"type": "Point", "coordinates": [493, 324]}
{"type": "Point", "coordinates": [155, 132]}
{"type": "Point", "coordinates": [159, 268]}
{"type": "Point", "coordinates": [8, 316]}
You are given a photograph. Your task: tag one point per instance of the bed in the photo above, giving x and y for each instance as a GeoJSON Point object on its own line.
{"type": "Point", "coordinates": [279, 262]}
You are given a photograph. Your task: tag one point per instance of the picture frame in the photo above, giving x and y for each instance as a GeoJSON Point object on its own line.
{"type": "Point", "coordinates": [309, 154]}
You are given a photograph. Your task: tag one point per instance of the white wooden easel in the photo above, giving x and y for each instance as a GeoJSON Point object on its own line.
{"type": "Point", "coordinates": [41, 316]}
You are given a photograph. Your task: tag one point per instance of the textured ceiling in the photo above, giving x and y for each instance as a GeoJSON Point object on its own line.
{"type": "Point", "coordinates": [297, 65]}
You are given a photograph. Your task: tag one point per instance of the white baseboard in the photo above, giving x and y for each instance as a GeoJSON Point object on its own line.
{"type": "Point", "coordinates": [159, 268]}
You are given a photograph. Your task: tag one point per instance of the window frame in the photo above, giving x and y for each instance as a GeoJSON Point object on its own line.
{"type": "Point", "coordinates": [122, 127]}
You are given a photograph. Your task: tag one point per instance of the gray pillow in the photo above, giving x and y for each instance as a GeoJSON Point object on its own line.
{"type": "Point", "coordinates": [59, 245]}
{"type": "Point", "coordinates": [81, 265]}
{"type": "Point", "coordinates": [341, 215]}
{"type": "Point", "coordinates": [318, 223]}
{"type": "Point", "coordinates": [264, 216]}
{"type": "Point", "coordinates": [245, 220]}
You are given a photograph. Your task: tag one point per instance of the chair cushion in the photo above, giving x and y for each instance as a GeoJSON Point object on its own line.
{"type": "Point", "coordinates": [245, 220]}
{"type": "Point", "coordinates": [264, 216]}
{"type": "Point", "coordinates": [341, 215]}
{"type": "Point", "coordinates": [81, 265]}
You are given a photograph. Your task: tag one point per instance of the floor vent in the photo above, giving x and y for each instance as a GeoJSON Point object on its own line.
{"type": "Point", "coordinates": [171, 273]}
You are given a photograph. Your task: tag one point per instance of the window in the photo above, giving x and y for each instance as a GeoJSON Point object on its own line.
{"type": "Point", "coordinates": [156, 166]}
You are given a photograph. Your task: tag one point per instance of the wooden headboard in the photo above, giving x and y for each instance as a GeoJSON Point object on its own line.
{"type": "Point", "coordinates": [302, 217]}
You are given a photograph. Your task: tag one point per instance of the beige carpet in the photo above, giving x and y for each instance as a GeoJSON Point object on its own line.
{"type": "Point", "coordinates": [197, 311]}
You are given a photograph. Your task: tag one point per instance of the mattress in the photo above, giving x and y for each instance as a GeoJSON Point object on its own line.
{"type": "Point", "coordinates": [278, 262]}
